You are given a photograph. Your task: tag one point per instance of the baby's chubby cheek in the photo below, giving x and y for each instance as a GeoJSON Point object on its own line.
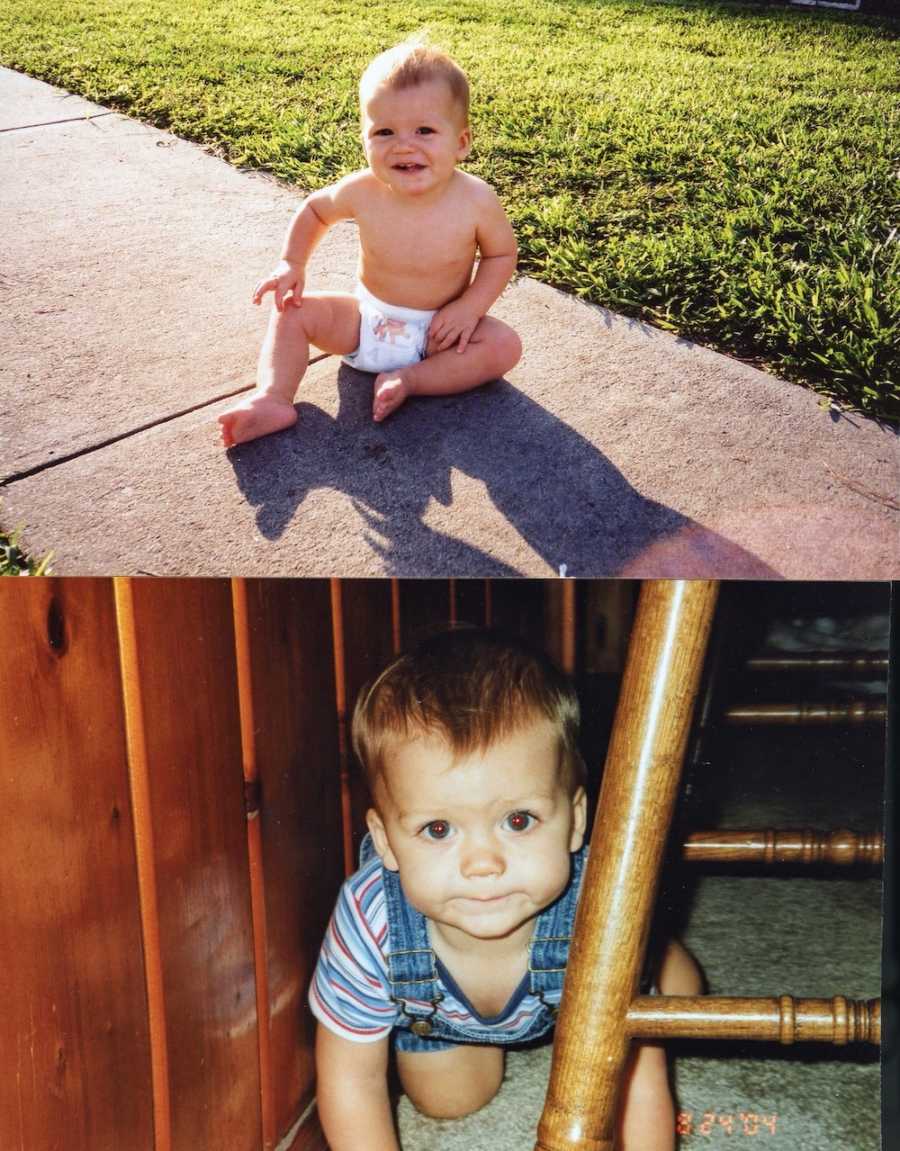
{"type": "Point", "coordinates": [551, 880]}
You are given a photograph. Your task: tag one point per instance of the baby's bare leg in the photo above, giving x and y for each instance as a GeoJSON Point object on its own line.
{"type": "Point", "coordinates": [491, 352]}
{"type": "Point", "coordinates": [679, 973]}
{"type": "Point", "coordinates": [328, 320]}
{"type": "Point", "coordinates": [452, 1083]}
{"type": "Point", "coordinates": [647, 1115]}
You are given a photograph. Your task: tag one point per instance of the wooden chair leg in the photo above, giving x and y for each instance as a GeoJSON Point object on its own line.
{"type": "Point", "coordinates": [637, 797]}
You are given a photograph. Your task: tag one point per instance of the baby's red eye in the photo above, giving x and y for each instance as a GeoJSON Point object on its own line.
{"type": "Point", "coordinates": [437, 829]}
{"type": "Point", "coordinates": [519, 820]}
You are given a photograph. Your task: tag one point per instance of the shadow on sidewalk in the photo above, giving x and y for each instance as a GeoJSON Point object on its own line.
{"type": "Point", "coordinates": [565, 499]}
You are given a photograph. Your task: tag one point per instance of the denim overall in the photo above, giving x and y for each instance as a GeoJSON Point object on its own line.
{"type": "Point", "coordinates": [416, 975]}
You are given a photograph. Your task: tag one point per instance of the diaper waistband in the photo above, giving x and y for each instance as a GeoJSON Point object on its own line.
{"type": "Point", "coordinates": [393, 311]}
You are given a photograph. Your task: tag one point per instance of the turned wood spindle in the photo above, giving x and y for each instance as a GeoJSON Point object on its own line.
{"type": "Point", "coordinates": [808, 714]}
{"type": "Point", "coordinates": [640, 784]}
{"type": "Point", "coordinates": [875, 663]}
{"type": "Point", "coordinates": [783, 1019]}
{"type": "Point", "coordinates": [839, 848]}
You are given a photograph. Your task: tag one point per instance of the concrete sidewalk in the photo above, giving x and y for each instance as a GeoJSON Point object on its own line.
{"type": "Point", "coordinates": [613, 448]}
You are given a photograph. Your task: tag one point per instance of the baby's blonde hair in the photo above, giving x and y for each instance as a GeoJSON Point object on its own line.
{"type": "Point", "coordinates": [413, 62]}
{"type": "Point", "coordinates": [468, 687]}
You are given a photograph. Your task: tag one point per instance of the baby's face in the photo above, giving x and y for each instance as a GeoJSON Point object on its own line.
{"type": "Point", "coordinates": [414, 137]}
{"type": "Point", "coordinates": [481, 843]}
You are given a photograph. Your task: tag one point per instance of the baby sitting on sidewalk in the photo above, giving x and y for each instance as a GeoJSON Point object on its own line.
{"type": "Point", "coordinates": [418, 318]}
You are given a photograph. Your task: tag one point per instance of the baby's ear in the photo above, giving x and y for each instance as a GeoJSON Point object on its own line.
{"type": "Point", "coordinates": [579, 819]}
{"type": "Point", "coordinates": [465, 143]}
{"type": "Point", "coordinates": [379, 838]}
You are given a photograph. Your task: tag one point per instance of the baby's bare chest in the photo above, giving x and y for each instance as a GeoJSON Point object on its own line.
{"type": "Point", "coordinates": [489, 987]}
{"type": "Point", "coordinates": [412, 243]}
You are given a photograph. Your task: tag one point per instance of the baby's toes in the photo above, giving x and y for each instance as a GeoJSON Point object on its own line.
{"type": "Point", "coordinates": [227, 427]}
{"type": "Point", "coordinates": [389, 395]}
{"type": "Point", "coordinates": [239, 426]}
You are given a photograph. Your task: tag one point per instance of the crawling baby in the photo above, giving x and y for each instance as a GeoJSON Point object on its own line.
{"type": "Point", "coordinates": [449, 945]}
{"type": "Point", "coordinates": [418, 318]}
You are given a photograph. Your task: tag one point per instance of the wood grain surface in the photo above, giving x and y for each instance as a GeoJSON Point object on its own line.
{"type": "Point", "coordinates": [368, 646]}
{"type": "Point", "coordinates": [310, 1136]}
{"type": "Point", "coordinates": [73, 1024]}
{"type": "Point", "coordinates": [522, 613]}
{"type": "Point", "coordinates": [634, 811]}
{"type": "Point", "coordinates": [858, 711]}
{"type": "Point", "coordinates": [842, 663]}
{"type": "Point", "coordinates": [781, 1019]}
{"type": "Point", "coordinates": [772, 846]}
{"type": "Point", "coordinates": [185, 678]}
{"type": "Point", "coordinates": [424, 606]}
{"type": "Point", "coordinates": [295, 748]}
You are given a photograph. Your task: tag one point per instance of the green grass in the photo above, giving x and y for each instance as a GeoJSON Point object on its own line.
{"type": "Point", "coordinates": [726, 172]}
{"type": "Point", "coordinates": [14, 562]}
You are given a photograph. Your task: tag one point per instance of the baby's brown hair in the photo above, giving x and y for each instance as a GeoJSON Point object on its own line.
{"type": "Point", "coordinates": [469, 687]}
{"type": "Point", "coordinates": [415, 62]}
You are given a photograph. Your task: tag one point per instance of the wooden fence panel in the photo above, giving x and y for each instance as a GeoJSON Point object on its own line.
{"type": "Point", "coordinates": [186, 679]}
{"type": "Point", "coordinates": [424, 606]}
{"type": "Point", "coordinates": [368, 646]}
{"type": "Point", "coordinates": [518, 606]}
{"type": "Point", "coordinates": [295, 724]}
{"type": "Point", "coordinates": [470, 601]}
{"type": "Point", "coordinates": [73, 1025]}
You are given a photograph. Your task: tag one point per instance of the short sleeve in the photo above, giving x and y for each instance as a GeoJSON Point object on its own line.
{"type": "Point", "coordinates": [350, 992]}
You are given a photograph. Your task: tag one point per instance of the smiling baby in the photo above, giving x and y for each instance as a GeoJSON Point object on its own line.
{"type": "Point", "coordinates": [418, 318]}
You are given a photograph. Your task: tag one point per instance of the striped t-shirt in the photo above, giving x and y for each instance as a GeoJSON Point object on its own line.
{"type": "Point", "coordinates": [350, 991]}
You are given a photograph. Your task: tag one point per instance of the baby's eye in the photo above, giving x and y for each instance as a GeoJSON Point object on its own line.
{"type": "Point", "coordinates": [425, 131]}
{"type": "Point", "coordinates": [520, 820]}
{"type": "Point", "coordinates": [382, 132]}
{"type": "Point", "coordinates": [437, 829]}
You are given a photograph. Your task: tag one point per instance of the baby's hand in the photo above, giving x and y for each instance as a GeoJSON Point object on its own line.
{"type": "Point", "coordinates": [287, 277]}
{"type": "Point", "coordinates": [455, 321]}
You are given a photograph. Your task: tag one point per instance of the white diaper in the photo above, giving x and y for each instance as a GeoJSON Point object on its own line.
{"type": "Point", "coordinates": [390, 337]}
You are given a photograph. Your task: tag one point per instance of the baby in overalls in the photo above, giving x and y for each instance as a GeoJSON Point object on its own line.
{"type": "Point", "coordinates": [449, 943]}
{"type": "Point", "coordinates": [418, 318]}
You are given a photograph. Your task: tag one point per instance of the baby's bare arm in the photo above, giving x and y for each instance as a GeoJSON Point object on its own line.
{"type": "Point", "coordinates": [352, 1093]}
{"type": "Point", "coordinates": [497, 251]}
{"type": "Point", "coordinates": [316, 215]}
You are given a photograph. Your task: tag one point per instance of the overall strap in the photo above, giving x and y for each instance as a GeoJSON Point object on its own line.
{"type": "Point", "coordinates": [549, 948]}
{"type": "Point", "coordinates": [411, 967]}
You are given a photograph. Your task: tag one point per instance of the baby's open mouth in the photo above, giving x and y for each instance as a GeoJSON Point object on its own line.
{"type": "Point", "coordinates": [409, 167]}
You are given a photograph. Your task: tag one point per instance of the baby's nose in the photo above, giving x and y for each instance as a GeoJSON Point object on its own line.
{"type": "Point", "coordinates": [481, 859]}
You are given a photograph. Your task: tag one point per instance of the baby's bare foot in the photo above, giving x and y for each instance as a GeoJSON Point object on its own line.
{"type": "Point", "coordinates": [255, 416]}
{"type": "Point", "coordinates": [390, 392]}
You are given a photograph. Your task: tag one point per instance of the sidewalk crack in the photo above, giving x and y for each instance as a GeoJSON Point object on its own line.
{"type": "Point", "coordinates": [50, 123]}
{"type": "Point", "coordinates": [26, 473]}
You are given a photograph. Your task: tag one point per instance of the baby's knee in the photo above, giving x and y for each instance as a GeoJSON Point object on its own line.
{"type": "Point", "coordinates": [509, 347]}
{"type": "Point", "coordinates": [456, 1104]}
{"type": "Point", "coordinates": [680, 974]}
{"type": "Point", "coordinates": [298, 319]}
{"type": "Point", "coordinates": [449, 1108]}
{"type": "Point", "coordinates": [454, 1083]}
